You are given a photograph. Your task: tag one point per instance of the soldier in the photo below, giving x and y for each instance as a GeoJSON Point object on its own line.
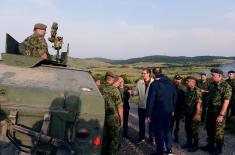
{"type": "Point", "coordinates": [35, 45]}
{"type": "Point", "coordinates": [192, 112]}
{"type": "Point", "coordinates": [219, 97]}
{"type": "Point", "coordinates": [179, 106]}
{"type": "Point", "coordinates": [119, 83]}
{"type": "Point", "coordinates": [231, 107]}
{"type": "Point", "coordinates": [113, 115]}
{"type": "Point", "coordinates": [204, 84]}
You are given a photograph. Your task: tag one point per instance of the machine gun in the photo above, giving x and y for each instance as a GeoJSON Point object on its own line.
{"type": "Point", "coordinates": [58, 41]}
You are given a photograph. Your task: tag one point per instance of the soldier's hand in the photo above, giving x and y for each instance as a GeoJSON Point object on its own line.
{"type": "Point", "coordinates": [219, 119]}
{"type": "Point", "coordinates": [121, 124]}
{"type": "Point", "coordinates": [196, 118]}
{"type": "Point", "coordinates": [44, 56]}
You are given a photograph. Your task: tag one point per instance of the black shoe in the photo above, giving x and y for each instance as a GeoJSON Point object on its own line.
{"type": "Point", "coordinates": [125, 135]}
{"type": "Point", "coordinates": [218, 150]}
{"type": "Point", "coordinates": [193, 149]}
{"type": "Point", "coordinates": [208, 147]}
{"type": "Point", "coordinates": [141, 141]}
{"type": "Point", "coordinates": [169, 152]}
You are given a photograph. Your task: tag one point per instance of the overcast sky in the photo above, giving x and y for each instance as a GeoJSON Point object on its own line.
{"type": "Point", "coordinates": [121, 29]}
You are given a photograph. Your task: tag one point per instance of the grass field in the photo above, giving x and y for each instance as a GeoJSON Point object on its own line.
{"type": "Point", "coordinates": [132, 71]}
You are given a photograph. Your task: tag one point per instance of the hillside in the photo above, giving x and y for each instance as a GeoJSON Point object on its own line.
{"type": "Point", "coordinates": [162, 58]}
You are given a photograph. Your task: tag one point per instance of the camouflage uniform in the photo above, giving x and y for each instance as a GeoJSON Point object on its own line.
{"type": "Point", "coordinates": [34, 45]}
{"type": "Point", "coordinates": [204, 86]}
{"type": "Point", "coordinates": [231, 106]}
{"type": "Point", "coordinates": [113, 101]}
{"type": "Point", "coordinates": [192, 97]}
{"type": "Point", "coordinates": [218, 93]}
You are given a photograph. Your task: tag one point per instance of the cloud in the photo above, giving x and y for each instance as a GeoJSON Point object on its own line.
{"type": "Point", "coordinates": [41, 3]}
{"type": "Point", "coordinates": [230, 16]}
{"type": "Point", "coordinates": [114, 39]}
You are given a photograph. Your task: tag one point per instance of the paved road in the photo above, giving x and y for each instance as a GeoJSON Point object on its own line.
{"type": "Point", "coordinates": [129, 146]}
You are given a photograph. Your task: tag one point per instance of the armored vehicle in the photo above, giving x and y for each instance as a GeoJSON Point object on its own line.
{"type": "Point", "coordinates": [47, 107]}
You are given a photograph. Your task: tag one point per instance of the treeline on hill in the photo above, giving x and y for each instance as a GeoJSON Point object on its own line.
{"type": "Point", "coordinates": [162, 58]}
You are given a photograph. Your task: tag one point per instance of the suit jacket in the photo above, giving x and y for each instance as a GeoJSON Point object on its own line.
{"type": "Point", "coordinates": [162, 97]}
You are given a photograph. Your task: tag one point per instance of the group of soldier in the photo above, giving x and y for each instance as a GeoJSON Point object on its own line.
{"type": "Point", "coordinates": [198, 101]}
{"type": "Point", "coordinates": [212, 102]}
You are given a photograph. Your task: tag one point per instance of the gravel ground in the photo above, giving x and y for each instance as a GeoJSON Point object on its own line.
{"type": "Point", "coordinates": [129, 145]}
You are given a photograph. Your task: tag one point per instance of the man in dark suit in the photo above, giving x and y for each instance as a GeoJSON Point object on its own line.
{"type": "Point", "coordinates": [160, 108]}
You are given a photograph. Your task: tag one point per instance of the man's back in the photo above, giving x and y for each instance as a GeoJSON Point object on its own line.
{"type": "Point", "coordinates": [163, 96]}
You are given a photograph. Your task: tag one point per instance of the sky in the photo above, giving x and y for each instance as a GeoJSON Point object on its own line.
{"type": "Point", "coordinates": [122, 29]}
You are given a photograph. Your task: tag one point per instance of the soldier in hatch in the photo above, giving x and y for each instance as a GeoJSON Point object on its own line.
{"type": "Point", "coordinates": [35, 45]}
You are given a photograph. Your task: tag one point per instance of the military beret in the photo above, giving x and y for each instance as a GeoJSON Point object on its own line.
{"type": "Point", "coordinates": [108, 73]}
{"type": "Point", "coordinates": [231, 71]}
{"type": "Point", "coordinates": [191, 78]}
{"type": "Point", "coordinates": [40, 26]}
{"type": "Point", "coordinates": [177, 77]}
{"type": "Point", "coordinates": [203, 73]}
{"type": "Point", "coordinates": [217, 70]}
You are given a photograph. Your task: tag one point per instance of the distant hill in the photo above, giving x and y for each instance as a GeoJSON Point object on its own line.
{"type": "Point", "coordinates": [163, 58]}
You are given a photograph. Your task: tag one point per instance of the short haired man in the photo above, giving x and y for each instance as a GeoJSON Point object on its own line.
{"type": "Point", "coordinates": [192, 112]}
{"type": "Point", "coordinates": [119, 83]}
{"type": "Point", "coordinates": [219, 97]}
{"type": "Point", "coordinates": [142, 90]}
{"type": "Point", "coordinates": [231, 107]}
{"type": "Point", "coordinates": [160, 108]}
{"type": "Point", "coordinates": [35, 45]}
{"type": "Point", "coordinates": [113, 115]}
{"type": "Point", "coordinates": [179, 106]}
{"type": "Point", "coordinates": [204, 85]}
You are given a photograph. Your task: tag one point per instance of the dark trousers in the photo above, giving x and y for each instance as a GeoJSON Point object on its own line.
{"type": "Point", "coordinates": [151, 131]}
{"type": "Point", "coordinates": [125, 120]}
{"type": "Point", "coordinates": [204, 107]}
{"type": "Point", "coordinates": [175, 120]}
{"type": "Point", "coordinates": [162, 132]}
{"type": "Point", "coordinates": [142, 116]}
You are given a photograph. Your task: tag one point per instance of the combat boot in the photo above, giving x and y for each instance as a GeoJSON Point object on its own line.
{"type": "Point", "coordinates": [194, 148]}
{"type": "Point", "coordinates": [218, 150]}
{"type": "Point", "coordinates": [188, 144]}
{"type": "Point", "coordinates": [208, 147]}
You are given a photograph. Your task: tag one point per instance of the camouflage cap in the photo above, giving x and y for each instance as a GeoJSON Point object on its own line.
{"type": "Point", "coordinates": [177, 77]}
{"type": "Point", "coordinates": [231, 71]}
{"type": "Point", "coordinates": [40, 26]}
{"type": "Point", "coordinates": [217, 70]}
{"type": "Point", "coordinates": [109, 73]}
{"type": "Point", "coordinates": [191, 78]}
